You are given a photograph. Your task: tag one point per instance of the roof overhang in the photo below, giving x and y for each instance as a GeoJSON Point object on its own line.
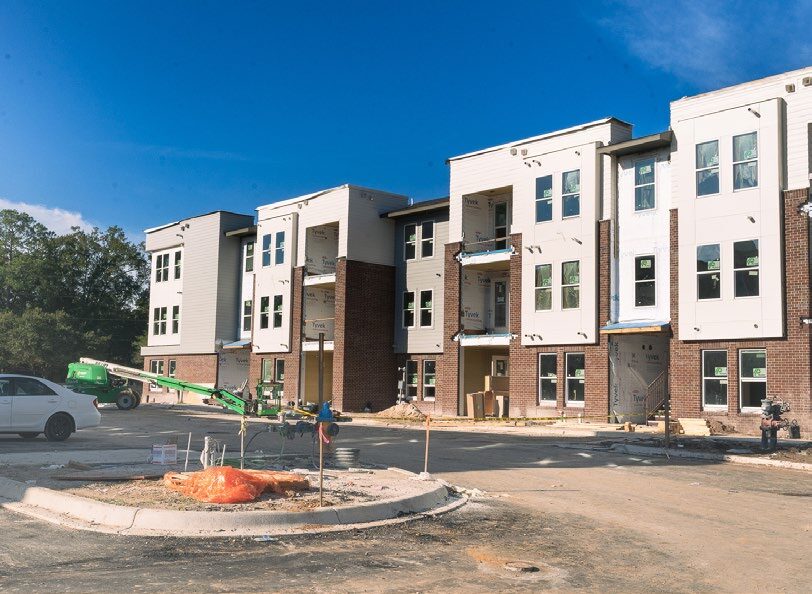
{"type": "Point", "coordinates": [638, 327]}
{"type": "Point", "coordinates": [252, 230]}
{"type": "Point", "coordinates": [238, 344]}
{"type": "Point", "coordinates": [638, 145]}
{"type": "Point", "coordinates": [426, 206]}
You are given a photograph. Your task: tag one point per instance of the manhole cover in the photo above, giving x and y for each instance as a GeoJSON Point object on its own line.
{"type": "Point", "coordinates": [520, 566]}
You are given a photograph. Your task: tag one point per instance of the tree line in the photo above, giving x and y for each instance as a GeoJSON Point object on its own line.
{"type": "Point", "coordinates": [62, 297]}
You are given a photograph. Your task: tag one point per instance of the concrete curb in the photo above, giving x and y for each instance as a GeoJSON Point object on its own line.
{"type": "Point", "coordinates": [87, 514]}
{"type": "Point", "coordinates": [679, 453]}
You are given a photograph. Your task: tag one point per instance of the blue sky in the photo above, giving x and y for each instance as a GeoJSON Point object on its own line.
{"type": "Point", "coordinates": [137, 114]}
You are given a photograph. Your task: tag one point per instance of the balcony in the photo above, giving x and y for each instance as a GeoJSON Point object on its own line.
{"type": "Point", "coordinates": [321, 251]}
{"type": "Point", "coordinates": [485, 311]}
{"type": "Point", "coordinates": [486, 223]}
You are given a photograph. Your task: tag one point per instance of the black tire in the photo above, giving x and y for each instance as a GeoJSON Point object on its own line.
{"type": "Point", "coordinates": [59, 427]}
{"type": "Point", "coordinates": [126, 400]}
{"type": "Point", "coordinates": [137, 401]}
{"type": "Point", "coordinates": [29, 435]}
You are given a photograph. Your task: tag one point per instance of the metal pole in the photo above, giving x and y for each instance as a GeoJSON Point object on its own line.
{"type": "Point", "coordinates": [188, 445]}
{"type": "Point", "coordinates": [242, 442]}
{"type": "Point", "coordinates": [426, 463]}
{"type": "Point", "coordinates": [667, 419]}
{"type": "Point", "coordinates": [321, 369]}
{"type": "Point", "coordinates": [320, 434]}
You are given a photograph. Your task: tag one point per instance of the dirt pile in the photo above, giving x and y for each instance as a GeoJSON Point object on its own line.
{"type": "Point", "coordinates": [403, 410]}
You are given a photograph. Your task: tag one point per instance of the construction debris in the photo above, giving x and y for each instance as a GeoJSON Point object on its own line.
{"type": "Point", "coordinates": [402, 410]}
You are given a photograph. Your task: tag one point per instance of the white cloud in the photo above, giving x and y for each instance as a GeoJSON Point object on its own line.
{"type": "Point", "coordinates": [56, 219]}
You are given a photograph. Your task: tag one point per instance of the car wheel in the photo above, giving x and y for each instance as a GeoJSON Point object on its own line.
{"type": "Point", "coordinates": [126, 401]}
{"type": "Point", "coordinates": [59, 427]}
{"type": "Point", "coordinates": [28, 435]}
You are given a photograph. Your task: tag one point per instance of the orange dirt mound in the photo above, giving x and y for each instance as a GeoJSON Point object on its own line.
{"type": "Point", "coordinates": [224, 484]}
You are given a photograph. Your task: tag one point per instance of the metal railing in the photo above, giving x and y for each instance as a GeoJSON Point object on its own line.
{"type": "Point", "coordinates": [656, 393]}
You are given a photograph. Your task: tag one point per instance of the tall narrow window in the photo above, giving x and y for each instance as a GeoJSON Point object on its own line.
{"type": "Point", "coordinates": [267, 370]}
{"type": "Point", "coordinates": [714, 379]}
{"type": "Point", "coordinates": [644, 281]}
{"type": "Point", "coordinates": [752, 377]}
{"type": "Point", "coordinates": [544, 199]}
{"type": "Point", "coordinates": [177, 264]}
{"type": "Point", "coordinates": [175, 319]}
{"type": "Point", "coordinates": [707, 168]}
{"type": "Point", "coordinates": [277, 311]}
{"type": "Point", "coordinates": [173, 366]}
{"type": "Point", "coordinates": [427, 239]}
{"type": "Point", "coordinates": [570, 285]}
{"type": "Point", "coordinates": [544, 287]}
{"type": "Point", "coordinates": [571, 193]}
{"type": "Point", "coordinates": [408, 309]}
{"type": "Point", "coordinates": [745, 161]}
{"type": "Point", "coordinates": [745, 268]}
{"type": "Point", "coordinates": [644, 198]}
{"type": "Point", "coordinates": [266, 249]}
{"type": "Point", "coordinates": [156, 366]}
{"type": "Point", "coordinates": [429, 379]}
{"type": "Point", "coordinates": [575, 378]}
{"type": "Point", "coordinates": [279, 370]}
{"type": "Point", "coordinates": [500, 225]}
{"type": "Point", "coordinates": [249, 256]}
{"type": "Point", "coordinates": [409, 242]}
{"type": "Point", "coordinates": [411, 380]}
{"type": "Point", "coordinates": [548, 377]}
{"type": "Point", "coordinates": [426, 308]}
{"type": "Point", "coordinates": [708, 275]}
{"type": "Point", "coordinates": [280, 248]}
{"type": "Point", "coordinates": [159, 321]}
{"type": "Point", "coordinates": [264, 315]}
{"type": "Point", "coordinates": [161, 268]}
{"type": "Point", "coordinates": [247, 310]}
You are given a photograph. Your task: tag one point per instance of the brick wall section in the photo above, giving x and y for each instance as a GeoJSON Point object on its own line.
{"type": "Point", "coordinates": [448, 376]}
{"type": "Point", "coordinates": [524, 359]}
{"type": "Point", "coordinates": [788, 359]}
{"type": "Point", "coordinates": [364, 362]}
{"type": "Point", "coordinates": [198, 369]}
{"type": "Point", "coordinates": [293, 359]}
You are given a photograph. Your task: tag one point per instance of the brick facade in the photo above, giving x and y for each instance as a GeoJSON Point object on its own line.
{"type": "Point", "coordinates": [448, 366]}
{"type": "Point", "coordinates": [198, 369]}
{"type": "Point", "coordinates": [788, 358]}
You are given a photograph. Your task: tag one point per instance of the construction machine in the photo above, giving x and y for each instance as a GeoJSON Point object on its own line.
{"type": "Point", "coordinates": [86, 378]}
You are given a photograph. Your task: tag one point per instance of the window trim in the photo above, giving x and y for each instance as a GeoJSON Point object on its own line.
{"type": "Point", "coordinates": [276, 362]}
{"type": "Point", "coordinates": [567, 378]}
{"type": "Point", "coordinates": [413, 309]}
{"type": "Point", "coordinates": [697, 168]}
{"type": "Point", "coordinates": [264, 312]}
{"type": "Point", "coordinates": [564, 195]}
{"type": "Point", "coordinates": [266, 250]}
{"type": "Point", "coordinates": [747, 268]}
{"type": "Point", "coordinates": [277, 249]}
{"type": "Point", "coordinates": [653, 280]}
{"type": "Point", "coordinates": [159, 321]}
{"type": "Point", "coordinates": [426, 385]}
{"type": "Point", "coordinates": [278, 311]}
{"type": "Point", "coordinates": [538, 288]}
{"type": "Point", "coordinates": [415, 385]}
{"type": "Point", "coordinates": [552, 379]}
{"type": "Point", "coordinates": [421, 309]}
{"type": "Point", "coordinates": [743, 380]}
{"type": "Point", "coordinates": [734, 162]}
{"type": "Point", "coordinates": [159, 370]}
{"type": "Point", "coordinates": [578, 284]}
{"type": "Point", "coordinates": [550, 200]}
{"type": "Point", "coordinates": [506, 238]}
{"type": "Point", "coordinates": [407, 243]}
{"type": "Point", "coordinates": [247, 314]}
{"type": "Point", "coordinates": [177, 264]}
{"type": "Point", "coordinates": [708, 272]}
{"type": "Point", "coordinates": [431, 239]}
{"type": "Point", "coordinates": [654, 162]}
{"type": "Point", "coordinates": [176, 319]}
{"type": "Point", "coordinates": [249, 257]}
{"type": "Point", "coordinates": [162, 267]}
{"type": "Point", "coordinates": [705, 405]}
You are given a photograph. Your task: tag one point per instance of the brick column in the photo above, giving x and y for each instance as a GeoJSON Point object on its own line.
{"type": "Point", "coordinates": [448, 369]}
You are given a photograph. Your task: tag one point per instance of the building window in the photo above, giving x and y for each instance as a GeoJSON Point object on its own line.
{"type": "Point", "coordinates": [708, 277]}
{"type": "Point", "coordinates": [427, 239]}
{"type": "Point", "coordinates": [544, 287]}
{"type": "Point", "coordinates": [264, 304]}
{"type": "Point", "coordinates": [644, 281]}
{"type": "Point", "coordinates": [548, 378]}
{"type": "Point", "coordinates": [161, 268]}
{"type": "Point", "coordinates": [544, 199]}
{"type": "Point", "coordinates": [714, 379]}
{"type": "Point", "coordinates": [177, 264]}
{"type": "Point", "coordinates": [644, 196]}
{"type": "Point", "coordinates": [266, 249]}
{"type": "Point", "coordinates": [426, 308]}
{"type": "Point", "coordinates": [752, 378]}
{"type": "Point", "coordinates": [500, 225]}
{"type": "Point", "coordinates": [575, 378]}
{"type": "Point", "coordinates": [279, 370]}
{"type": "Point", "coordinates": [156, 366]}
{"type": "Point", "coordinates": [745, 268]}
{"type": "Point", "coordinates": [159, 321]}
{"type": "Point", "coordinates": [411, 380]}
{"type": "Point", "coordinates": [277, 311]}
{"type": "Point", "coordinates": [707, 168]}
{"type": "Point", "coordinates": [280, 248]}
{"type": "Point", "coordinates": [267, 370]}
{"type": "Point", "coordinates": [175, 319]}
{"type": "Point", "coordinates": [173, 365]}
{"type": "Point", "coordinates": [247, 310]}
{"type": "Point", "coordinates": [429, 379]}
{"type": "Point", "coordinates": [570, 285]}
{"type": "Point", "coordinates": [410, 242]}
{"type": "Point", "coordinates": [249, 256]}
{"type": "Point", "coordinates": [745, 161]}
{"type": "Point", "coordinates": [408, 309]}
{"type": "Point", "coordinates": [571, 193]}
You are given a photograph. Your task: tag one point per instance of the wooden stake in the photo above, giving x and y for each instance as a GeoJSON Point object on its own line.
{"type": "Point", "coordinates": [321, 463]}
{"type": "Point", "coordinates": [188, 445]}
{"type": "Point", "coordinates": [426, 463]}
{"type": "Point", "coordinates": [243, 431]}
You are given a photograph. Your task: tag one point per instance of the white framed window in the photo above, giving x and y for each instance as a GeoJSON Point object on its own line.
{"type": "Point", "coordinates": [266, 249]}
{"type": "Point", "coordinates": [571, 285]}
{"type": "Point", "coordinates": [277, 311]}
{"type": "Point", "coordinates": [175, 319]}
{"type": "Point", "coordinates": [426, 308]}
{"type": "Point", "coordinates": [571, 194]}
{"type": "Point", "coordinates": [156, 366]}
{"type": "Point", "coordinates": [429, 379]}
{"type": "Point", "coordinates": [645, 283]}
{"type": "Point", "coordinates": [708, 272]}
{"type": "Point", "coordinates": [247, 310]}
{"type": "Point", "coordinates": [644, 185]}
{"type": "Point", "coordinates": [249, 256]}
{"type": "Point", "coordinates": [173, 366]}
{"type": "Point", "coordinates": [714, 379]}
{"type": "Point", "coordinates": [707, 168]}
{"type": "Point", "coordinates": [267, 370]}
{"type": "Point", "coordinates": [548, 377]}
{"type": "Point", "coordinates": [159, 321]}
{"type": "Point", "coordinates": [745, 161]}
{"type": "Point", "coordinates": [279, 257]}
{"type": "Point", "coordinates": [409, 241]}
{"type": "Point", "coordinates": [544, 199]}
{"type": "Point", "coordinates": [408, 309]}
{"type": "Point", "coordinates": [576, 376]}
{"type": "Point", "coordinates": [161, 268]}
{"type": "Point", "coordinates": [500, 225]}
{"type": "Point", "coordinates": [746, 268]}
{"type": "Point", "coordinates": [544, 287]}
{"type": "Point", "coordinates": [411, 379]}
{"type": "Point", "coordinates": [264, 314]}
{"type": "Point", "coordinates": [752, 378]}
{"type": "Point", "coordinates": [178, 257]}
{"type": "Point", "coordinates": [279, 370]}
{"type": "Point", "coordinates": [427, 239]}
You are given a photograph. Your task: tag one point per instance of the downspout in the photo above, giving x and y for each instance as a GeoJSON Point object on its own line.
{"type": "Point", "coordinates": [460, 377]}
{"type": "Point", "coordinates": [614, 302]}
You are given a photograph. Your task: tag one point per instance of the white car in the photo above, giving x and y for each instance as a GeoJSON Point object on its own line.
{"type": "Point", "coordinates": [32, 405]}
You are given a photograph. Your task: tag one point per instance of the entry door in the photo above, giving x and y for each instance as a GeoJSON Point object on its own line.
{"type": "Point", "coordinates": [500, 366]}
{"type": "Point", "coordinates": [500, 305]}
{"type": "Point", "coordinates": [5, 403]}
{"type": "Point", "coordinates": [32, 403]}
{"type": "Point", "coordinates": [500, 225]}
